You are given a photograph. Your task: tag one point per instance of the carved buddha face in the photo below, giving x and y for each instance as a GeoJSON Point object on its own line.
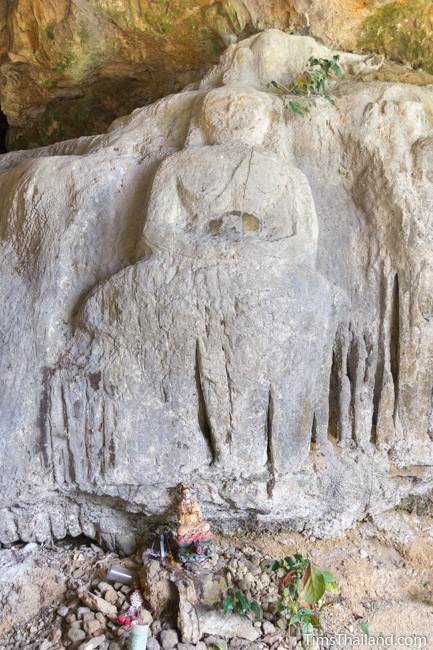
{"type": "Point", "coordinates": [231, 115]}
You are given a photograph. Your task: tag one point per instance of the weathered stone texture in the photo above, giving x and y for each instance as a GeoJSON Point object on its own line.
{"type": "Point", "coordinates": [217, 290]}
{"type": "Point", "coordinates": [69, 67]}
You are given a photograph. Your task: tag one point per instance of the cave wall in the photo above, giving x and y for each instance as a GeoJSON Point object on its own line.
{"type": "Point", "coordinates": [69, 67]}
{"type": "Point", "coordinates": [220, 291]}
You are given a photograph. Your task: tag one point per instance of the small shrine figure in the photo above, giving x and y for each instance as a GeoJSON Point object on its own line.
{"type": "Point", "coordinates": [194, 535]}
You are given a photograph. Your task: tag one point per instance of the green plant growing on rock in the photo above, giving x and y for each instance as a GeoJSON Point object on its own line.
{"type": "Point", "coordinates": [303, 587]}
{"type": "Point", "coordinates": [311, 85]}
{"type": "Point", "coordinates": [237, 602]}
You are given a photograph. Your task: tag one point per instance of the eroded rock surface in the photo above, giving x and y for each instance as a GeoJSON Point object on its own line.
{"type": "Point", "coordinates": [69, 67]}
{"type": "Point", "coordinates": [219, 291]}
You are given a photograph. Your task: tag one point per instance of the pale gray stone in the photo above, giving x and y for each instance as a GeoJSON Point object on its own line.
{"type": "Point", "coordinates": [82, 611]}
{"type": "Point", "coordinates": [98, 604]}
{"type": "Point", "coordinates": [169, 639]}
{"type": "Point", "coordinates": [90, 644]}
{"type": "Point", "coordinates": [268, 627]}
{"type": "Point", "coordinates": [216, 623]}
{"type": "Point", "coordinates": [216, 642]}
{"type": "Point", "coordinates": [153, 643]}
{"type": "Point", "coordinates": [110, 595]}
{"type": "Point", "coordinates": [92, 627]}
{"type": "Point", "coordinates": [75, 634]}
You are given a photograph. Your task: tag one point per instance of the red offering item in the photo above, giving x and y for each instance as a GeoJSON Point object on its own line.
{"type": "Point", "coordinates": [125, 620]}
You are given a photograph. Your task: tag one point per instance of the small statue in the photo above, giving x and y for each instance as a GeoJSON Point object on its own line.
{"type": "Point", "coordinates": [194, 535]}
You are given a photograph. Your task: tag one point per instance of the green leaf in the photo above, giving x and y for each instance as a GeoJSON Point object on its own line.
{"type": "Point", "coordinates": [240, 610]}
{"type": "Point", "coordinates": [256, 610]}
{"type": "Point", "coordinates": [243, 601]}
{"type": "Point", "coordinates": [306, 614]}
{"type": "Point", "coordinates": [276, 565]}
{"type": "Point", "coordinates": [363, 626]}
{"type": "Point", "coordinates": [330, 582]}
{"type": "Point", "coordinates": [307, 629]}
{"type": "Point", "coordinates": [315, 622]}
{"type": "Point", "coordinates": [296, 107]}
{"type": "Point", "coordinates": [329, 99]}
{"type": "Point", "coordinates": [315, 587]}
{"type": "Point", "coordinates": [328, 576]}
{"type": "Point", "coordinates": [229, 604]}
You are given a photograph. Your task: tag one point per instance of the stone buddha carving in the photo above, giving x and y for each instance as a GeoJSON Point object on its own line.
{"type": "Point", "coordinates": [220, 337]}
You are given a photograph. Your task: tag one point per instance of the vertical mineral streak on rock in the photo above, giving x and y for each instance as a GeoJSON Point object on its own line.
{"type": "Point", "coordinates": [270, 445]}
{"type": "Point", "coordinates": [380, 363]}
{"type": "Point", "coordinates": [104, 439]}
{"type": "Point", "coordinates": [352, 365]}
{"type": "Point", "coordinates": [87, 432]}
{"type": "Point", "coordinates": [395, 342]}
{"type": "Point", "coordinates": [202, 411]}
{"type": "Point", "coordinates": [430, 417]}
{"type": "Point", "coordinates": [313, 432]}
{"type": "Point", "coordinates": [343, 382]}
{"type": "Point", "coordinates": [344, 389]}
{"type": "Point", "coordinates": [70, 459]}
{"type": "Point", "coordinates": [333, 410]}
{"type": "Point", "coordinates": [43, 418]}
{"type": "Point", "coordinates": [229, 435]}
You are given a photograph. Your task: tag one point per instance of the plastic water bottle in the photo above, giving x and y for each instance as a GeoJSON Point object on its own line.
{"type": "Point", "coordinates": [138, 636]}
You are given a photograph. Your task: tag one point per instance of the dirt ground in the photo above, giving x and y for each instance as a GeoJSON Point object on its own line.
{"type": "Point", "coordinates": [384, 568]}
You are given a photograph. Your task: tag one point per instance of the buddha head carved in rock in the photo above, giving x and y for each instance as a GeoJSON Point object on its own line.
{"type": "Point", "coordinates": [241, 115]}
{"type": "Point", "coordinates": [231, 114]}
{"type": "Point", "coordinates": [220, 202]}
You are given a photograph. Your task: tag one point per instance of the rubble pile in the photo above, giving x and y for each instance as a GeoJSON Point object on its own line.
{"type": "Point", "coordinates": [93, 599]}
{"type": "Point", "coordinates": [88, 617]}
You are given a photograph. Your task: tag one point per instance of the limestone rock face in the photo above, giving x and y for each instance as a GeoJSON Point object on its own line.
{"type": "Point", "coordinates": [69, 67]}
{"type": "Point", "coordinates": [218, 291]}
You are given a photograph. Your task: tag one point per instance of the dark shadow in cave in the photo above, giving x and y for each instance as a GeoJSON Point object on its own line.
{"type": "Point", "coordinates": [3, 131]}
